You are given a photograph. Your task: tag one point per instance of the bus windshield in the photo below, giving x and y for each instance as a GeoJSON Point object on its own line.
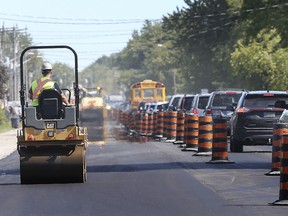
{"type": "Point", "coordinates": [147, 91]}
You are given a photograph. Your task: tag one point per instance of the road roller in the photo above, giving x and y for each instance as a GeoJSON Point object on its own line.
{"type": "Point", "coordinates": [51, 145]}
{"type": "Point", "coordinates": [92, 105]}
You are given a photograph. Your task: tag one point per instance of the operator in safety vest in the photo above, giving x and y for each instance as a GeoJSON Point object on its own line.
{"type": "Point", "coordinates": [45, 82]}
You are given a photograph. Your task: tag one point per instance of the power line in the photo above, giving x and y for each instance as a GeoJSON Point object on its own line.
{"type": "Point", "coordinates": [78, 36]}
{"type": "Point", "coordinates": [251, 10]}
{"type": "Point", "coordinates": [60, 21]}
{"type": "Point", "coordinates": [72, 23]}
{"type": "Point", "coordinates": [79, 21]}
{"type": "Point", "coordinates": [84, 43]}
{"type": "Point", "coordinates": [216, 28]}
{"type": "Point", "coordinates": [75, 19]}
{"type": "Point", "coordinates": [84, 31]}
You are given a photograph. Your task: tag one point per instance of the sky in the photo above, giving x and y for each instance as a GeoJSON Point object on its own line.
{"type": "Point", "coordinates": [92, 27]}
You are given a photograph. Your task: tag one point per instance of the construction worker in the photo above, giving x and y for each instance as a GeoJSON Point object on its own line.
{"type": "Point", "coordinates": [45, 82]}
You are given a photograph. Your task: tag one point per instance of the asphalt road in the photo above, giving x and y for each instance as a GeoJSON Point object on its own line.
{"type": "Point", "coordinates": [136, 177]}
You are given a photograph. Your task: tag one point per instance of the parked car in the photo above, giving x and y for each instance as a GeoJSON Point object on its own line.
{"type": "Point", "coordinates": [141, 107]}
{"type": "Point", "coordinates": [254, 116]}
{"type": "Point", "coordinates": [284, 116]}
{"type": "Point", "coordinates": [175, 102]}
{"type": "Point", "coordinates": [152, 107]}
{"type": "Point", "coordinates": [221, 104]}
{"type": "Point", "coordinates": [149, 106]}
{"type": "Point", "coordinates": [160, 106]}
{"type": "Point", "coordinates": [186, 102]}
{"type": "Point", "coordinates": [199, 103]}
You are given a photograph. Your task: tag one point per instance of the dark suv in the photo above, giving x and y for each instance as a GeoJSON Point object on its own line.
{"type": "Point", "coordinates": [221, 104]}
{"type": "Point", "coordinates": [253, 119]}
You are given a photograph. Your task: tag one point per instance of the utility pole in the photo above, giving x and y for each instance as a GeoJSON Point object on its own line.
{"type": "Point", "coordinates": [9, 39]}
{"type": "Point", "coordinates": [14, 66]}
{"type": "Point", "coordinates": [174, 82]}
{"type": "Point", "coordinates": [2, 44]}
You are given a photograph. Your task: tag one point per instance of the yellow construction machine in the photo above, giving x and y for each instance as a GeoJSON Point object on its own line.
{"type": "Point", "coordinates": [52, 148]}
{"type": "Point", "coordinates": [92, 105]}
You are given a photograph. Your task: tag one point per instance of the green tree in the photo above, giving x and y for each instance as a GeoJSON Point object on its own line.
{"type": "Point", "coordinates": [260, 63]}
{"type": "Point", "coordinates": [3, 80]}
{"type": "Point", "coordinates": [204, 35]}
{"type": "Point", "coordinates": [266, 14]}
{"type": "Point", "coordinates": [63, 75]}
{"type": "Point", "coordinates": [208, 44]}
{"type": "Point", "coordinates": [150, 54]}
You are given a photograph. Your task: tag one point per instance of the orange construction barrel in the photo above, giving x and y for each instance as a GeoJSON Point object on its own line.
{"type": "Point", "coordinates": [180, 128]}
{"type": "Point", "coordinates": [205, 136]}
{"type": "Point", "coordinates": [144, 124]}
{"type": "Point", "coordinates": [160, 119]}
{"type": "Point", "coordinates": [191, 132]}
{"type": "Point", "coordinates": [138, 127]}
{"type": "Point", "coordinates": [283, 192]}
{"type": "Point", "coordinates": [171, 126]}
{"type": "Point", "coordinates": [149, 124]}
{"type": "Point", "coordinates": [220, 144]}
{"type": "Point", "coordinates": [279, 129]}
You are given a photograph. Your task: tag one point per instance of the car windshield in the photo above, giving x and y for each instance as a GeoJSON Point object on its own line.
{"type": "Point", "coordinates": [152, 106]}
{"type": "Point", "coordinates": [225, 99]}
{"type": "Point", "coordinates": [264, 101]}
{"type": "Point", "coordinates": [175, 102]}
{"type": "Point", "coordinates": [187, 103]}
{"type": "Point", "coordinates": [203, 102]}
{"type": "Point", "coordinates": [162, 107]}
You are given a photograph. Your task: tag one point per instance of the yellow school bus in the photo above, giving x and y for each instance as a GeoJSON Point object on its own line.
{"type": "Point", "coordinates": [148, 91]}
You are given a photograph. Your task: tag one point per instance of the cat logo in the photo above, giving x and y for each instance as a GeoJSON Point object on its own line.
{"type": "Point", "coordinates": [50, 125]}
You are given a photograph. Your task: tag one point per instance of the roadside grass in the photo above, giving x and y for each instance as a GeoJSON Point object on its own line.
{"type": "Point", "coordinates": [5, 124]}
{"type": "Point", "coordinates": [5, 127]}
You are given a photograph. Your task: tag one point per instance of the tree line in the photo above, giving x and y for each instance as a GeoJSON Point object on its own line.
{"type": "Point", "coordinates": [13, 41]}
{"type": "Point", "coordinates": [209, 44]}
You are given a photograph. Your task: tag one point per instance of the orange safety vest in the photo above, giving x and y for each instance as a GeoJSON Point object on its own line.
{"type": "Point", "coordinates": [38, 86]}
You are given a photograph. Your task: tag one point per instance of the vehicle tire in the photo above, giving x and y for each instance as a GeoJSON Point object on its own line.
{"type": "Point", "coordinates": [235, 146]}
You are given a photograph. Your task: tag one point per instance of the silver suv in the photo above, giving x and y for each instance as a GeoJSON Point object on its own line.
{"type": "Point", "coordinates": [221, 104]}
{"type": "Point", "coordinates": [175, 102]}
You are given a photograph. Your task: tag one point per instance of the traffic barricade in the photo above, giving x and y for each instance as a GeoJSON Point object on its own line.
{"type": "Point", "coordinates": [279, 129]}
{"type": "Point", "coordinates": [138, 123]}
{"type": "Point", "coordinates": [129, 121]}
{"type": "Point", "coordinates": [149, 124]}
{"type": "Point", "coordinates": [160, 119]}
{"type": "Point", "coordinates": [144, 124]}
{"type": "Point", "coordinates": [205, 136]}
{"type": "Point", "coordinates": [191, 132]}
{"type": "Point", "coordinates": [120, 116]}
{"type": "Point", "coordinates": [220, 144]}
{"type": "Point", "coordinates": [171, 126]}
{"type": "Point", "coordinates": [165, 129]}
{"type": "Point", "coordinates": [154, 128]}
{"type": "Point", "coordinates": [283, 192]}
{"type": "Point", "coordinates": [180, 128]}
{"type": "Point", "coordinates": [126, 119]}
